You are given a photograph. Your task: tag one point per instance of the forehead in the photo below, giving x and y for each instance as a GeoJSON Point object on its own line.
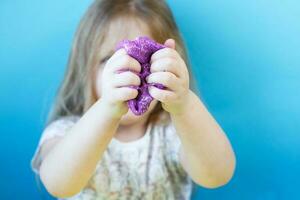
{"type": "Point", "coordinates": [120, 29]}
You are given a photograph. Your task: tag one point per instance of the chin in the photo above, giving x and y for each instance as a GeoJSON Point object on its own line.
{"type": "Point", "coordinates": [130, 118]}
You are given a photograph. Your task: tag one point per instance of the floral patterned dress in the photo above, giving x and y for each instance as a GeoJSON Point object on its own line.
{"type": "Point", "coordinates": [147, 168]}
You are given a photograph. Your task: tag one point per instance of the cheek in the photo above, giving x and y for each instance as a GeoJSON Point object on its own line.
{"type": "Point", "coordinates": [130, 118]}
{"type": "Point", "coordinates": [98, 82]}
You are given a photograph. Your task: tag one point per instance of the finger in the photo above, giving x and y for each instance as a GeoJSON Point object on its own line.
{"type": "Point", "coordinates": [125, 79]}
{"type": "Point", "coordinates": [125, 63]}
{"type": "Point", "coordinates": [170, 43]}
{"type": "Point", "coordinates": [165, 65]}
{"type": "Point", "coordinates": [125, 93]}
{"type": "Point", "coordinates": [164, 96]}
{"type": "Point", "coordinates": [165, 52]}
{"type": "Point", "coordinates": [168, 79]}
{"type": "Point", "coordinates": [119, 52]}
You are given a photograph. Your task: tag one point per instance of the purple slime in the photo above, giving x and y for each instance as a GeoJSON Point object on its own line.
{"type": "Point", "coordinates": [141, 49]}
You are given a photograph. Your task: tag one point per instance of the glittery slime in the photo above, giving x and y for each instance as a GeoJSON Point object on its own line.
{"type": "Point", "coordinates": [141, 49]}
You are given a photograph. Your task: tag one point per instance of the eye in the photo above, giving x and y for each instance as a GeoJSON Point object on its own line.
{"type": "Point", "coordinates": [104, 60]}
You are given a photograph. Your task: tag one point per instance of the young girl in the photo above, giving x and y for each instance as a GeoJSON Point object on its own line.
{"type": "Point", "coordinates": [94, 147]}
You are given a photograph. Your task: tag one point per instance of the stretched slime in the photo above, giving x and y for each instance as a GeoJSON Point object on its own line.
{"type": "Point", "coordinates": [141, 49]}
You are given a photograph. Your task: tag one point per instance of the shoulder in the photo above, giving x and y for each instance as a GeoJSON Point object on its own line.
{"type": "Point", "coordinates": [168, 136]}
{"type": "Point", "coordinates": [58, 127]}
{"type": "Point", "coordinates": [166, 128]}
{"type": "Point", "coordinates": [165, 125]}
{"type": "Point", "coordinates": [62, 122]}
{"type": "Point", "coordinates": [170, 142]}
{"type": "Point", "coordinates": [55, 128]}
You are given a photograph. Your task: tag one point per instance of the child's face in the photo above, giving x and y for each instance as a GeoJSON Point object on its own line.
{"type": "Point", "coordinates": [117, 32]}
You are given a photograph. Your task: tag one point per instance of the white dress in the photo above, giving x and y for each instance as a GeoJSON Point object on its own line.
{"type": "Point", "coordinates": [147, 168]}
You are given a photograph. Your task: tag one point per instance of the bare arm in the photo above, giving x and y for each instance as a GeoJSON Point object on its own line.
{"type": "Point", "coordinates": [69, 162]}
{"type": "Point", "coordinates": [206, 153]}
{"type": "Point", "coordinates": [69, 165]}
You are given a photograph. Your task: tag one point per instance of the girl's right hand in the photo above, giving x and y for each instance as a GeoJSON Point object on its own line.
{"type": "Point", "coordinates": [119, 77]}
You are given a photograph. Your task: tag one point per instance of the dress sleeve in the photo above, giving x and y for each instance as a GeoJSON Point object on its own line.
{"type": "Point", "coordinates": [57, 128]}
{"type": "Point", "coordinates": [182, 181]}
{"type": "Point", "coordinates": [173, 144]}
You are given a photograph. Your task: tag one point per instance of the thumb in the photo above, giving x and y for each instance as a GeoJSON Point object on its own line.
{"type": "Point", "coordinates": [170, 43]}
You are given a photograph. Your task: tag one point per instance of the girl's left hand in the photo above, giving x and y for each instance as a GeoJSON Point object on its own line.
{"type": "Point", "coordinates": [169, 69]}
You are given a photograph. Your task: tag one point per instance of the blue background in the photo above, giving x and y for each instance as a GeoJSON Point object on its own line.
{"type": "Point", "coordinates": [245, 54]}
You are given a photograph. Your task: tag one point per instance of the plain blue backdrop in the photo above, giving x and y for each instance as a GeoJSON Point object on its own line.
{"type": "Point", "coordinates": [246, 57]}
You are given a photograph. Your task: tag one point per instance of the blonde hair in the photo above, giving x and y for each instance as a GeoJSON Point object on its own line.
{"type": "Point", "coordinates": [76, 93]}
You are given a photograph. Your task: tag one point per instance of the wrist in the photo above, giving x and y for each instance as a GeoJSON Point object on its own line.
{"type": "Point", "coordinates": [185, 106]}
{"type": "Point", "coordinates": [113, 109]}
